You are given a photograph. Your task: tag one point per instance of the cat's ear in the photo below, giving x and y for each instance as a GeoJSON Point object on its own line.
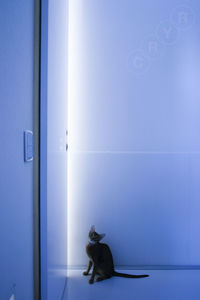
{"type": "Point", "coordinates": [102, 236]}
{"type": "Point", "coordinates": [92, 229]}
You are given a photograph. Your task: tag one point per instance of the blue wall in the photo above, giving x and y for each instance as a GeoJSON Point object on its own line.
{"type": "Point", "coordinates": [56, 147]}
{"type": "Point", "coordinates": [134, 129]}
{"type": "Point", "coordinates": [53, 148]}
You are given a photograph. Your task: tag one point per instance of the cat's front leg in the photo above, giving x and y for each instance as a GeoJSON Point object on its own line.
{"type": "Point", "coordinates": [88, 269]}
{"type": "Point", "coordinates": [93, 275]}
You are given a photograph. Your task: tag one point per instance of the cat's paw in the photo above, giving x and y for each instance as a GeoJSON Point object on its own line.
{"type": "Point", "coordinates": [85, 273]}
{"type": "Point", "coordinates": [99, 278]}
{"type": "Point", "coordinates": [91, 281]}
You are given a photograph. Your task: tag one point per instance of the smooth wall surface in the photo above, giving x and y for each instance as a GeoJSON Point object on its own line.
{"type": "Point", "coordinates": [16, 178]}
{"type": "Point", "coordinates": [56, 147]}
{"type": "Point", "coordinates": [134, 123]}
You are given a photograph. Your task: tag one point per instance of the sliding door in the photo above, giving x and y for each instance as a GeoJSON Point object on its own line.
{"type": "Point", "coordinates": [17, 208]}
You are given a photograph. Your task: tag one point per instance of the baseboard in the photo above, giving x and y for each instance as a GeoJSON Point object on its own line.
{"type": "Point", "coordinates": [143, 267]}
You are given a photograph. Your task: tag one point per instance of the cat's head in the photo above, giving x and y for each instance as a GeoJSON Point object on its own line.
{"type": "Point", "coordinates": [94, 236]}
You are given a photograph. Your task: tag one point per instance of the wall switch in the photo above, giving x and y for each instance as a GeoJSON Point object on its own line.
{"type": "Point", "coordinates": [12, 297]}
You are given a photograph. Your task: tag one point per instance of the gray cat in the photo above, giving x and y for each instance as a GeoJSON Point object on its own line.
{"type": "Point", "coordinates": [101, 258]}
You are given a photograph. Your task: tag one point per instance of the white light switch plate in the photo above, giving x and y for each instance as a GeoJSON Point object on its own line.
{"type": "Point", "coordinates": [12, 297]}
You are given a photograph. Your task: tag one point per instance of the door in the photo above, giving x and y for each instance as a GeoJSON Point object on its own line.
{"type": "Point", "coordinates": [16, 164]}
{"type": "Point", "coordinates": [53, 148]}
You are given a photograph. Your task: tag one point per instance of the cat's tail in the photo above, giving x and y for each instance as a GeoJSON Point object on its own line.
{"type": "Point", "coordinates": [129, 275]}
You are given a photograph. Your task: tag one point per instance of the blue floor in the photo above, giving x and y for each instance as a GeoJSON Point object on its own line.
{"type": "Point", "coordinates": [161, 285]}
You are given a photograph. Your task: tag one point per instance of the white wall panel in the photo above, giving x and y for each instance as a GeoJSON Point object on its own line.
{"type": "Point", "coordinates": [134, 117]}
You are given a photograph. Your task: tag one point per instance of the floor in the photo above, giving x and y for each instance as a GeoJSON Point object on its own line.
{"type": "Point", "coordinates": [161, 285]}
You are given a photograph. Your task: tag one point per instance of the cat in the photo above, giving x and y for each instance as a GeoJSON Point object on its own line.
{"type": "Point", "coordinates": [101, 258]}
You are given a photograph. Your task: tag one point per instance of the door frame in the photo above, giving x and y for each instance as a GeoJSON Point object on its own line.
{"type": "Point", "coordinates": [43, 148]}
{"type": "Point", "coordinates": [36, 183]}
